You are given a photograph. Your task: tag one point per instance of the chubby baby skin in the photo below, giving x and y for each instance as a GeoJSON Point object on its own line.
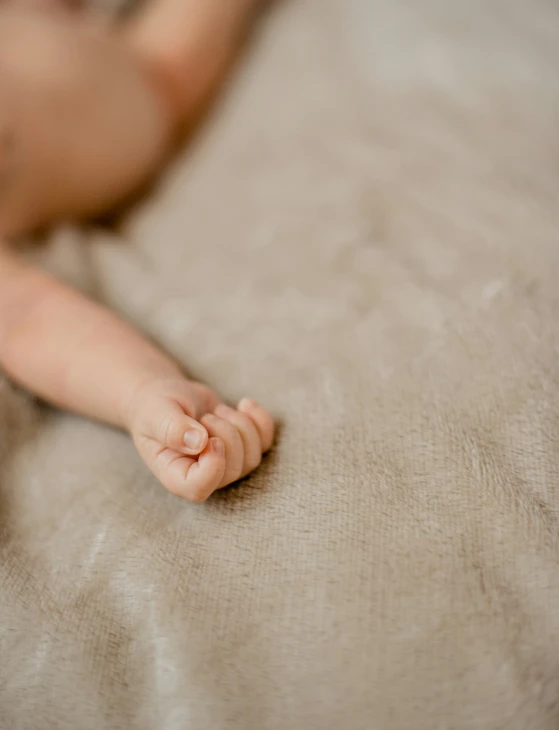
{"type": "Point", "coordinates": [57, 343]}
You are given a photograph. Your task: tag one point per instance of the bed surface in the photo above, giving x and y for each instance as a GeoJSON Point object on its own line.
{"type": "Point", "coordinates": [364, 236]}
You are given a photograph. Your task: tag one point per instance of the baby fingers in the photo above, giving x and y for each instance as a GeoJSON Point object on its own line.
{"type": "Point", "coordinates": [191, 479]}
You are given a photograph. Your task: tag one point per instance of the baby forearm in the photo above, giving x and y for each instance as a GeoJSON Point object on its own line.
{"type": "Point", "coordinates": [75, 354]}
{"type": "Point", "coordinates": [69, 350]}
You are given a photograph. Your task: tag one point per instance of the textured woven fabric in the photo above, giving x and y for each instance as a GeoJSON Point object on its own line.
{"type": "Point", "coordinates": [364, 236]}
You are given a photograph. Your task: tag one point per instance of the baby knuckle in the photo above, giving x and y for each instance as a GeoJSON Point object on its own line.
{"type": "Point", "coordinates": [243, 422]}
{"type": "Point", "coordinates": [202, 391]}
{"type": "Point", "coordinates": [196, 494]}
{"type": "Point", "coordinates": [253, 462]}
{"type": "Point", "coordinates": [166, 430]}
{"type": "Point", "coordinates": [230, 431]}
{"type": "Point", "coordinates": [205, 398]}
{"type": "Point", "coordinates": [171, 485]}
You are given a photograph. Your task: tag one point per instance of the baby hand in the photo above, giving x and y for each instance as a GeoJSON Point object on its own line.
{"type": "Point", "coordinates": [191, 441]}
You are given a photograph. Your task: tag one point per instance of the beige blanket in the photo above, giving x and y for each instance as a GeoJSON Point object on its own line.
{"type": "Point", "coordinates": [365, 236]}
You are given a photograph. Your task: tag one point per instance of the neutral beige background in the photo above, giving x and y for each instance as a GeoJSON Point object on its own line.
{"type": "Point", "coordinates": [364, 237]}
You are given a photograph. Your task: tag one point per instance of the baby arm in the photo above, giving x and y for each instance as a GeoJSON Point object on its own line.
{"type": "Point", "coordinates": [79, 356]}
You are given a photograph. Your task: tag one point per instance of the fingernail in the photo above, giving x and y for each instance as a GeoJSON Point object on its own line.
{"type": "Point", "coordinates": [193, 439]}
{"type": "Point", "coordinates": [218, 446]}
{"type": "Point", "coordinates": [248, 403]}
